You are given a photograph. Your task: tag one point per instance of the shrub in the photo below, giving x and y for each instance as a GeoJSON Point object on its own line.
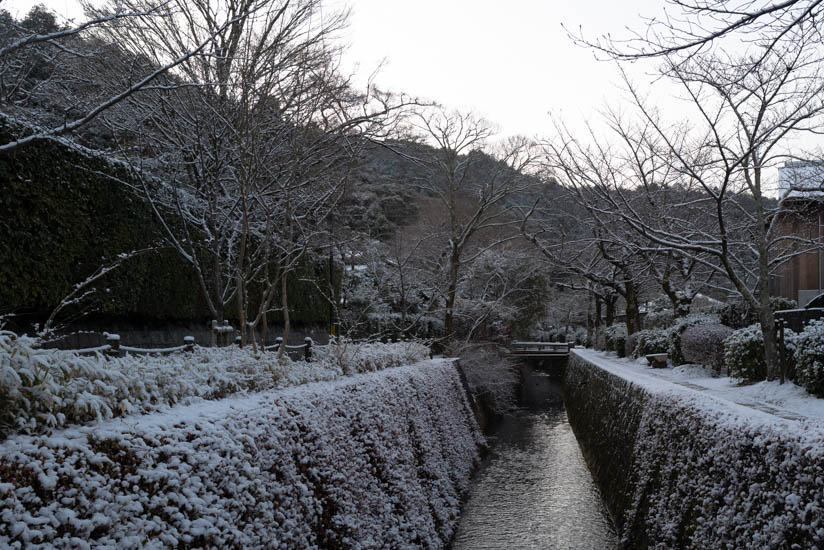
{"type": "Point", "coordinates": [659, 319]}
{"type": "Point", "coordinates": [650, 341]}
{"type": "Point", "coordinates": [675, 332]}
{"type": "Point", "coordinates": [42, 389]}
{"type": "Point", "coordinates": [744, 354]}
{"type": "Point", "coordinates": [809, 357]}
{"type": "Point", "coordinates": [616, 338]}
{"type": "Point", "coordinates": [738, 314]}
{"type": "Point", "coordinates": [704, 345]}
{"type": "Point", "coordinates": [491, 377]}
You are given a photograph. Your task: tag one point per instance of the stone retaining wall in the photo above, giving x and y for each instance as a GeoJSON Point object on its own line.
{"type": "Point", "coordinates": [379, 460]}
{"type": "Point", "coordinates": [683, 470]}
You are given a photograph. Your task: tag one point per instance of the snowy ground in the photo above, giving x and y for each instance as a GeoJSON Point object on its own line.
{"type": "Point", "coordinates": [785, 401]}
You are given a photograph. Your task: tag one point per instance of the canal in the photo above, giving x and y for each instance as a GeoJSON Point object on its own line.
{"type": "Point", "coordinates": [534, 489]}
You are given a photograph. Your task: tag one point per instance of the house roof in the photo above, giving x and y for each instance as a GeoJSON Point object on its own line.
{"type": "Point", "coordinates": [801, 180]}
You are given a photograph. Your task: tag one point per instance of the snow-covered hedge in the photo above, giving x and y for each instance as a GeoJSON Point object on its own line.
{"type": "Point", "coordinates": [616, 337]}
{"type": "Point", "coordinates": [378, 460]}
{"type": "Point", "coordinates": [676, 355]}
{"type": "Point", "coordinates": [650, 341]}
{"type": "Point", "coordinates": [42, 389]}
{"type": "Point", "coordinates": [659, 319]}
{"type": "Point", "coordinates": [809, 357]}
{"type": "Point", "coordinates": [679, 469]}
{"type": "Point", "coordinates": [704, 345]}
{"type": "Point", "coordinates": [492, 378]}
{"type": "Point", "coordinates": [744, 354]}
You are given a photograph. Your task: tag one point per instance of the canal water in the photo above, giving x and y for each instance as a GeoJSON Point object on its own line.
{"type": "Point", "coordinates": [534, 489]}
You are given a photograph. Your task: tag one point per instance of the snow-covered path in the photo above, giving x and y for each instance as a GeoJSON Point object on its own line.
{"type": "Point", "coordinates": [779, 401]}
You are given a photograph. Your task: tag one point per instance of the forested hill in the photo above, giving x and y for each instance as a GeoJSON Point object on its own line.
{"type": "Point", "coordinates": [391, 178]}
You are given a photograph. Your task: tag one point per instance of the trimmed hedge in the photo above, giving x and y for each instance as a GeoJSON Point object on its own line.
{"type": "Point", "coordinates": [68, 211]}
{"type": "Point", "coordinates": [676, 354]}
{"type": "Point", "coordinates": [809, 357]}
{"type": "Point", "coordinates": [744, 354]}
{"type": "Point", "coordinates": [381, 460]}
{"type": "Point", "coordinates": [704, 345]}
{"type": "Point", "coordinates": [650, 341]}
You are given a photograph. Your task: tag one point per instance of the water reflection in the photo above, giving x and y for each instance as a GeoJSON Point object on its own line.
{"type": "Point", "coordinates": [534, 490]}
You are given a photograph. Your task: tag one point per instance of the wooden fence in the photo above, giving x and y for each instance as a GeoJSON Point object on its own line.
{"type": "Point", "coordinates": [221, 337]}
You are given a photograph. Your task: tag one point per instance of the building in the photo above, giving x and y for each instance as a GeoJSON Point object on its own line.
{"type": "Point", "coordinates": [801, 220]}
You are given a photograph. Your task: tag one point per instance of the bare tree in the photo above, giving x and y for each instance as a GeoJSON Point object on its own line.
{"type": "Point", "coordinates": [44, 59]}
{"type": "Point", "coordinates": [473, 200]}
{"type": "Point", "coordinates": [747, 108]}
{"type": "Point", "coordinates": [693, 27]}
{"type": "Point", "coordinates": [254, 141]}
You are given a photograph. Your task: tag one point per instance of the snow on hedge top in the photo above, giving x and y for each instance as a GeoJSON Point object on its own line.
{"type": "Point", "coordinates": [42, 389]}
{"type": "Point", "coordinates": [379, 460]}
{"type": "Point", "coordinates": [787, 405]}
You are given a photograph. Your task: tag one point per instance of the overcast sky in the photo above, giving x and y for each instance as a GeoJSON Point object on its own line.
{"type": "Point", "coordinates": [510, 62]}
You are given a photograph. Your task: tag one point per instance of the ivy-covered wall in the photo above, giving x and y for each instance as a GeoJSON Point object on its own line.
{"type": "Point", "coordinates": [63, 215]}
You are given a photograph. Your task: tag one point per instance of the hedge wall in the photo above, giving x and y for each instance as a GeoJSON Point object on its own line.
{"type": "Point", "coordinates": [682, 470]}
{"type": "Point", "coordinates": [62, 215]}
{"type": "Point", "coordinates": [380, 460]}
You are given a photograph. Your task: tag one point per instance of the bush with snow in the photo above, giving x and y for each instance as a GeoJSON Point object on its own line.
{"type": "Point", "coordinates": [744, 354]}
{"type": "Point", "coordinates": [739, 314]}
{"type": "Point", "coordinates": [704, 345]}
{"type": "Point", "coordinates": [650, 341]}
{"type": "Point", "coordinates": [42, 389]}
{"type": "Point", "coordinates": [659, 319]}
{"type": "Point", "coordinates": [616, 337]}
{"type": "Point", "coordinates": [676, 355]}
{"type": "Point", "coordinates": [379, 460]}
{"type": "Point", "coordinates": [492, 378]}
{"type": "Point", "coordinates": [809, 357]}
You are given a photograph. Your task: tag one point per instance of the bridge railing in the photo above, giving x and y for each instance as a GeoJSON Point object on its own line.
{"type": "Point", "coordinates": [540, 349]}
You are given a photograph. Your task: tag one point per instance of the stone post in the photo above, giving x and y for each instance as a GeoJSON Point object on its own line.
{"type": "Point", "coordinates": [307, 349]}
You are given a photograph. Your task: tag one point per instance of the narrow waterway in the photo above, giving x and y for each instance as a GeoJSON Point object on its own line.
{"type": "Point", "coordinates": [534, 489]}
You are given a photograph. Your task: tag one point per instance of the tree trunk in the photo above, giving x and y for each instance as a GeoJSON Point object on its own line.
{"type": "Point", "coordinates": [609, 315]}
{"type": "Point", "coordinates": [450, 297]}
{"type": "Point", "coordinates": [284, 303]}
{"type": "Point", "coordinates": [633, 319]}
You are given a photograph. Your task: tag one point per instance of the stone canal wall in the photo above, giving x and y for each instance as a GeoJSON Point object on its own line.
{"type": "Point", "coordinates": [679, 469]}
{"type": "Point", "coordinates": [378, 460]}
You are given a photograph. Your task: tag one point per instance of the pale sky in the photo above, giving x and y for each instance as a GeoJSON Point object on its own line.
{"type": "Point", "coordinates": [510, 62]}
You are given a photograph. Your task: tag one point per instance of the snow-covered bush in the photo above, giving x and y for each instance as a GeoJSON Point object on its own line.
{"type": "Point", "coordinates": [42, 389]}
{"type": "Point", "coordinates": [616, 337]}
{"type": "Point", "coordinates": [650, 341]}
{"type": "Point", "coordinates": [353, 357]}
{"type": "Point", "coordinates": [738, 314]}
{"type": "Point", "coordinates": [380, 460]}
{"type": "Point", "coordinates": [492, 378]}
{"type": "Point", "coordinates": [659, 319]}
{"type": "Point", "coordinates": [704, 345]}
{"type": "Point", "coordinates": [681, 324]}
{"type": "Point", "coordinates": [744, 354]}
{"type": "Point", "coordinates": [809, 357]}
